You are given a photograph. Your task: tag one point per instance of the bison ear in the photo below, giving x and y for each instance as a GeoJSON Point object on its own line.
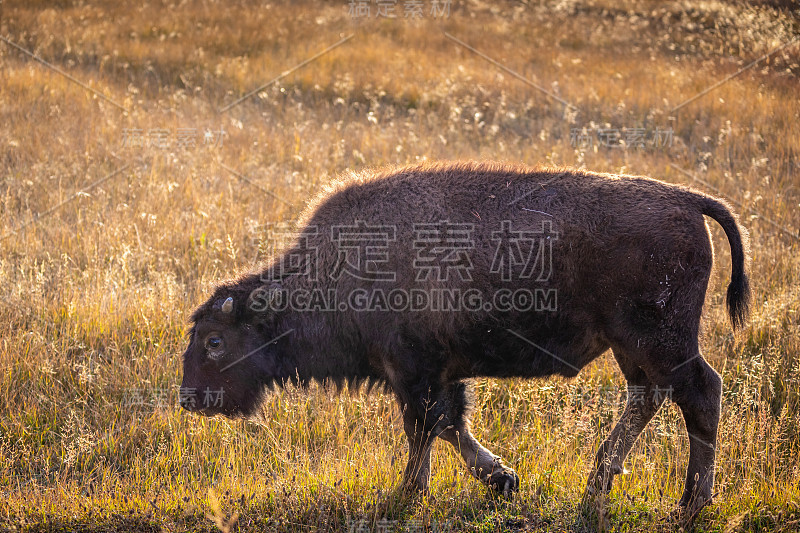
{"type": "Point", "coordinates": [227, 305]}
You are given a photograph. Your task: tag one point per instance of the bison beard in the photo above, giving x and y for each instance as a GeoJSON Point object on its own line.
{"type": "Point", "coordinates": [623, 263]}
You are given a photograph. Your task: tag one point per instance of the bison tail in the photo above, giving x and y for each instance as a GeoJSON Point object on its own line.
{"type": "Point", "coordinates": [738, 298]}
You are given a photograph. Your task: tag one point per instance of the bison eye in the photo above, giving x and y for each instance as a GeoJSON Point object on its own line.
{"type": "Point", "coordinates": [213, 343]}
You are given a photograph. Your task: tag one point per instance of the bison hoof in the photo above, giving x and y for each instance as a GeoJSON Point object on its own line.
{"type": "Point", "coordinates": [505, 482]}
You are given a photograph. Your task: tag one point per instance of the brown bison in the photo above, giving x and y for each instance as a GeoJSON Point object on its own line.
{"type": "Point", "coordinates": [423, 277]}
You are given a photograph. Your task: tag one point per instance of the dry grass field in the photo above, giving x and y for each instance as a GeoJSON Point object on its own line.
{"type": "Point", "coordinates": [127, 192]}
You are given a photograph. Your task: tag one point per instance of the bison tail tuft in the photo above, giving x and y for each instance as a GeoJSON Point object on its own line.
{"type": "Point", "coordinates": [738, 299]}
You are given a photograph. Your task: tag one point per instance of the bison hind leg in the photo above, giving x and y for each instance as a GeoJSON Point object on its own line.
{"type": "Point", "coordinates": [643, 401]}
{"type": "Point", "coordinates": [694, 386]}
{"type": "Point", "coordinates": [698, 392]}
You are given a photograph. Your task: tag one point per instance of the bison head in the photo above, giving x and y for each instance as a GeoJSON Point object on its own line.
{"type": "Point", "coordinates": [231, 358]}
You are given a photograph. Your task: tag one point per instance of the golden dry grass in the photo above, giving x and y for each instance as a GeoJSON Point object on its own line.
{"type": "Point", "coordinates": [96, 293]}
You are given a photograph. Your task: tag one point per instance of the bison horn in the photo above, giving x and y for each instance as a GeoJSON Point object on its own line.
{"type": "Point", "coordinates": [227, 305]}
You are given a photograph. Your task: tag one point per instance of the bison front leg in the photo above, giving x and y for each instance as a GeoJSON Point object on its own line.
{"type": "Point", "coordinates": [482, 463]}
{"type": "Point", "coordinates": [417, 475]}
{"type": "Point", "coordinates": [444, 412]}
{"type": "Point", "coordinates": [424, 416]}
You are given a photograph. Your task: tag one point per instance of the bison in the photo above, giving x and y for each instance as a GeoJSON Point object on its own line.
{"type": "Point", "coordinates": [423, 277]}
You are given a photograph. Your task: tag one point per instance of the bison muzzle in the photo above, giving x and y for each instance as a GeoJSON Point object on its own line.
{"type": "Point", "coordinates": [423, 277]}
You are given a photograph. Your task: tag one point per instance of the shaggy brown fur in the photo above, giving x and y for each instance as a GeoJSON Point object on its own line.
{"type": "Point", "coordinates": [620, 262]}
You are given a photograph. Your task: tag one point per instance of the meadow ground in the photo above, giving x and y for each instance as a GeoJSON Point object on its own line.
{"type": "Point", "coordinates": [123, 202]}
